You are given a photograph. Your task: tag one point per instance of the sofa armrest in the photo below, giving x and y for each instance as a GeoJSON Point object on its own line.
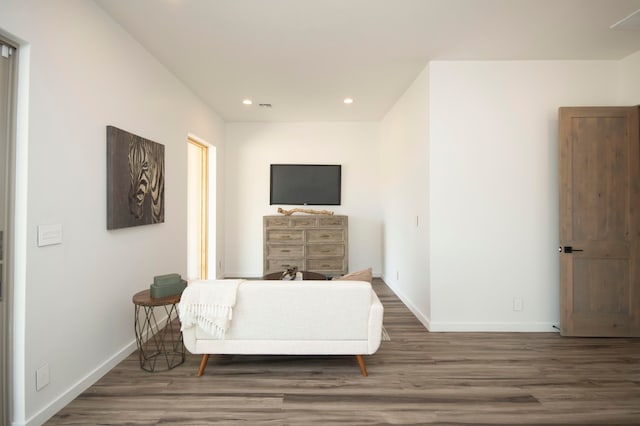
{"type": "Point", "coordinates": [375, 323]}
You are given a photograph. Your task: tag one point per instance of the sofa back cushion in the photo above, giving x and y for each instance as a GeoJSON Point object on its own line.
{"type": "Point", "coordinates": [300, 310]}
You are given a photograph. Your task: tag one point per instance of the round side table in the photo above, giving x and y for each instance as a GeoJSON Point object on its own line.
{"type": "Point", "coordinates": [154, 342]}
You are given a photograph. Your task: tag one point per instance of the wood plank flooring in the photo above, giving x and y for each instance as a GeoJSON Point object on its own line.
{"type": "Point", "coordinates": [416, 378]}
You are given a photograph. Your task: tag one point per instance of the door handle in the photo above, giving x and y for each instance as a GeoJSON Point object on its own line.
{"type": "Point", "coordinates": [568, 249]}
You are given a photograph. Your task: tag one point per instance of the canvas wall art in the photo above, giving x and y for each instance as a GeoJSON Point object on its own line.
{"type": "Point", "coordinates": [135, 180]}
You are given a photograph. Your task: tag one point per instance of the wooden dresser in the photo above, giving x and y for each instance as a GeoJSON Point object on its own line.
{"type": "Point", "coordinates": [312, 243]}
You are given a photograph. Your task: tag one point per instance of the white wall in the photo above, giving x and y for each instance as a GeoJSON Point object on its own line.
{"type": "Point", "coordinates": [629, 89]}
{"type": "Point", "coordinates": [494, 219]}
{"type": "Point", "coordinates": [404, 178]}
{"type": "Point", "coordinates": [87, 73]}
{"type": "Point", "coordinates": [252, 147]}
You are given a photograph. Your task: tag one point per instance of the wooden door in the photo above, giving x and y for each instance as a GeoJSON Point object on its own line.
{"type": "Point", "coordinates": [599, 181]}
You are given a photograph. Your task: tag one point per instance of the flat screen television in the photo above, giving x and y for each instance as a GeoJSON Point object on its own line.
{"type": "Point", "coordinates": [306, 184]}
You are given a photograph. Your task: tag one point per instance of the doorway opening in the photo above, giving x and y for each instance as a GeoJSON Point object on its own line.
{"type": "Point", "coordinates": [8, 68]}
{"type": "Point", "coordinates": [201, 209]}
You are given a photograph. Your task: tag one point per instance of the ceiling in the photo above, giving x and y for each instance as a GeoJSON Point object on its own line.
{"type": "Point", "coordinates": [305, 56]}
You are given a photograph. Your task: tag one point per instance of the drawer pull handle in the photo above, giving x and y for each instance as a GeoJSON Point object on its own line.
{"type": "Point", "coordinates": [285, 237]}
{"type": "Point", "coordinates": [325, 251]}
{"type": "Point", "coordinates": [285, 251]}
{"type": "Point", "coordinates": [325, 236]}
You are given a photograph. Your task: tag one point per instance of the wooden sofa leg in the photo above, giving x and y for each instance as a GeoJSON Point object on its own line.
{"type": "Point", "coordinates": [203, 364]}
{"type": "Point", "coordinates": [363, 369]}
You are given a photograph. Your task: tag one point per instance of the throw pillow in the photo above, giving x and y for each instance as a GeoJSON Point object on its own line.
{"type": "Point", "coordinates": [364, 275]}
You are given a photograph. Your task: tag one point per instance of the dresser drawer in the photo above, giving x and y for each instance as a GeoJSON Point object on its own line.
{"type": "Point", "coordinates": [325, 250]}
{"type": "Point", "coordinates": [303, 222]}
{"type": "Point", "coordinates": [275, 265]}
{"type": "Point", "coordinates": [285, 251]}
{"type": "Point", "coordinates": [276, 222]}
{"type": "Point", "coordinates": [281, 235]}
{"type": "Point", "coordinates": [337, 221]}
{"type": "Point", "coordinates": [319, 265]}
{"type": "Point", "coordinates": [325, 235]}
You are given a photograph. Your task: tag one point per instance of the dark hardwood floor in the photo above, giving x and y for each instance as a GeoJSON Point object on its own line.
{"type": "Point", "coordinates": [416, 378]}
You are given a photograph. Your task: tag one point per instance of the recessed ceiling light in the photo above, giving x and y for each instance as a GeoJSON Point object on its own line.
{"type": "Point", "coordinates": [348, 101]}
{"type": "Point", "coordinates": [247, 102]}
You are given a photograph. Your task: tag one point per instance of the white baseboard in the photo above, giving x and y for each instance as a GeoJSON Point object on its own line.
{"type": "Point", "coordinates": [470, 327]}
{"type": "Point", "coordinates": [409, 304]}
{"type": "Point", "coordinates": [77, 388]}
{"type": "Point", "coordinates": [493, 327]}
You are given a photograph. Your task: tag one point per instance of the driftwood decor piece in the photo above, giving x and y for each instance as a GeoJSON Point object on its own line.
{"type": "Point", "coordinates": [308, 211]}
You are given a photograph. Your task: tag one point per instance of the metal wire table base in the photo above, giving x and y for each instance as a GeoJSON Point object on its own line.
{"type": "Point", "coordinates": [158, 347]}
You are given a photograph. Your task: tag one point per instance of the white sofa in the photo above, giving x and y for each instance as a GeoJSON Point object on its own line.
{"type": "Point", "coordinates": [335, 317]}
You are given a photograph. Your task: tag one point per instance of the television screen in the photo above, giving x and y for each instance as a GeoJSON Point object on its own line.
{"type": "Point", "coordinates": [306, 184]}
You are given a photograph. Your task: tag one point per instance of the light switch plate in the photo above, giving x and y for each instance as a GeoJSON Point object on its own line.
{"type": "Point", "coordinates": [42, 377]}
{"type": "Point", "coordinates": [49, 235]}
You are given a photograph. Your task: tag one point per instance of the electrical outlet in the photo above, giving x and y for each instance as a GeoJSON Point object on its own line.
{"type": "Point", "coordinates": [517, 304]}
{"type": "Point", "coordinates": [42, 377]}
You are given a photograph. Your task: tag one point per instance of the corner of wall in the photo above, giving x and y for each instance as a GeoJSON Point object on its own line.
{"type": "Point", "coordinates": [420, 316]}
{"type": "Point", "coordinates": [629, 83]}
{"type": "Point", "coordinates": [74, 391]}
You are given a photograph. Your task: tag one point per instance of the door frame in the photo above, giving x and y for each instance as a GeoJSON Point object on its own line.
{"type": "Point", "coordinates": [8, 256]}
{"type": "Point", "coordinates": [204, 204]}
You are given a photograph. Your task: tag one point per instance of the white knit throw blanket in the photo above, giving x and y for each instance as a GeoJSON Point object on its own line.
{"type": "Point", "coordinates": [209, 305]}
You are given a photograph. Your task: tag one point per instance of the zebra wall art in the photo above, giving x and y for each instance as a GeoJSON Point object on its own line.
{"type": "Point", "coordinates": [135, 180]}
